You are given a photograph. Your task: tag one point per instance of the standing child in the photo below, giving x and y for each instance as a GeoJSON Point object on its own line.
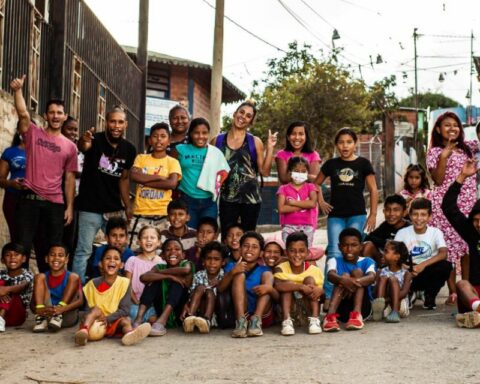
{"type": "Point", "coordinates": [207, 231]}
{"type": "Point", "coordinates": [15, 287]}
{"type": "Point", "coordinates": [178, 217]}
{"type": "Point", "coordinates": [447, 154]}
{"type": "Point", "coordinates": [233, 234]}
{"type": "Point", "coordinates": [108, 299]}
{"type": "Point", "coordinates": [297, 279]}
{"type": "Point", "coordinates": [203, 292]}
{"type": "Point", "coordinates": [393, 284]}
{"type": "Point", "coordinates": [149, 241]}
{"type": "Point", "coordinates": [416, 184]}
{"type": "Point", "coordinates": [297, 201]}
{"type": "Point", "coordinates": [57, 293]}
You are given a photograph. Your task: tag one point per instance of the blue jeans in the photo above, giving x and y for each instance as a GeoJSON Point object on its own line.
{"type": "Point", "coordinates": [198, 208]}
{"type": "Point", "coordinates": [149, 313]}
{"type": "Point", "coordinates": [88, 225]}
{"type": "Point", "coordinates": [335, 225]}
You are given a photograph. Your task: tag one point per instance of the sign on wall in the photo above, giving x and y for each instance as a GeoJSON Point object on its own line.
{"type": "Point", "coordinates": [156, 111]}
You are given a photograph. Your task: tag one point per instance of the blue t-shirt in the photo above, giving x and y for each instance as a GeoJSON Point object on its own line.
{"type": "Point", "coordinates": [252, 279]}
{"type": "Point", "coordinates": [17, 163]}
{"type": "Point", "coordinates": [191, 160]}
{"type": "Point", "coordinates": [365, 264]}
{"type": "Point", "coordinates": [126, 254]}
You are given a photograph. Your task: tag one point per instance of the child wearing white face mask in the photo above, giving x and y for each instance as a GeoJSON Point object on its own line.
{"type": "Point", "coordinates": [297, 201]}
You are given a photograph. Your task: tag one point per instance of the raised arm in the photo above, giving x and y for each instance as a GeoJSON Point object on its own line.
{"type": "Point", "coordinates": [85, 142]}
{"type": "Point", "coordinates": [264, 160]}
{"type": "Point", "coordinates": [23, 116]}
{"type": "Point", "coordinates": [438, 173]}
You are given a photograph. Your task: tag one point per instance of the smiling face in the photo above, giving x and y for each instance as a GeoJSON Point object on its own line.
{"type": "Point", "coordinates": [351, 248]}
{"type": "Point", "coordinates": [57, 259]}
{"type": "Point", "coordinates": [116, 125]}
{"type": "Point", "coordinates": [297, 138]}
{"type": "Point", "coordinates": [179, 121]}
{"type": "Point", "coordinates": [232, 240]}
{"type": "Point", "coordinates": [55, 116]}
{"type": "Point", "coordinates": [394, 213]}
{"type": "Point", "coordinates": [243, 117]}
{"type": "Point", "coordinates": [178, 218]}
{"type": "Point", "coordinates": [70, 130]}
{"type": "Point", "coordinates": [272, 254]}
{"type": "Point", "coordinates": [213, 262]}
{"type": "Point", "coordinates": [13, 260]}
{"type": "Point", "coordinates": [111, 263]}
{"type": "Point", "coordinates": [199, 136]}
{"type": "Point", "coordinates": [149, 240]}
{"type": "Point", "coordinates": [250, 250]}
{"type": "Point", "coordinates": [159, 140]}
{"type": "Point", "coordinates": [346, 146]}
{"type": "Point", "coordinates": [172, 253]}
{"type": "Point", "coordinates": [420, 219]}
{"type": "Point", "coordinates": [449, 130]}
{"type": "Point", "coordinates": [297, 252]}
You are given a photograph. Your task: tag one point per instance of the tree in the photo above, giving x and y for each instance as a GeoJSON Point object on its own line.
{"type": "Point", "coordinates": [429, 99]}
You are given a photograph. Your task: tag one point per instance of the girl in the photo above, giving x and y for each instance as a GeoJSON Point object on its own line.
{"type": "Point", "coordinates": [240, 197]}
{"type": "Point", "coordinates": [149, 241]}
{"type": "Point", "coordinates": [179, 119]}
{"type": "Point", "coordinates": [273, 253]}
{"type": "Point", "coordinates": [348, 175]}
{"type": "Point", "coordinates": [393, 284]}
{"type": "Point", "coordinates": [204, 169]}
{"type": "Point", "coordinates": [416, 184]}
{"type": "Point", "coordinates": [447, 154]}
{"type": "Point", "coordinates": [297, 201]}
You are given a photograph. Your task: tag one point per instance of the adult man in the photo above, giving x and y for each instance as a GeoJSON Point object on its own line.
{"type": "Point", "coordinates": [50, 158]}
{"type": "Point", "coordinates": [104, 183]}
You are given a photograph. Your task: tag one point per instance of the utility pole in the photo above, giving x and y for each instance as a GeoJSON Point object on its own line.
{"type": "Point", "coordinates": [142, 63]}
{"type": "Point", "coordinates": [470, 114]}
{"type": "Point", "coordinates": [415, 36]}
{"type": "Point", "coordinates": [217, 67]}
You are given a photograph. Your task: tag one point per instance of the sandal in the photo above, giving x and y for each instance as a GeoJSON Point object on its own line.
{"type": "Point", "coordinates": [452, 299]}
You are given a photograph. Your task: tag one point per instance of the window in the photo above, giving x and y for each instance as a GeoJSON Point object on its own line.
{"type": "Point", "coordinates": [101, 107]}
{"type": "Point", "coordinates": [76, 88]}
{"type": "Point", "coordinates": [34, 78]}
{"type": "Point", "coordinates": [158, 83]}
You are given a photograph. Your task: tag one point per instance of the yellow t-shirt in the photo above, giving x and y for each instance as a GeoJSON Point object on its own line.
{"type": "Point", "coordinates": [311, 271]}
{"type": "Point", "coordinates": [154, 201]}
{"type": "Point", "coordinates": [109, 300]}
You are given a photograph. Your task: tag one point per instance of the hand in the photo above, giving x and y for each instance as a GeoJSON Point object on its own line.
{"type": "Point", "coordinates": [17, 183]}
{"type": "Point", "coordinates": [58, 310]}
{"type": "Point", "coordinates": [325, 207]}
{"type": "Point", "coordinates": [262, 289]}
{"type": "Point", "coordinates": [370, 223]}
{"type": "Point", "coordinates": [417, 269]}
{"type": "Point", "coordinates": [88, 135]}
{"type": "Point", "coordinates": [102, 319]}
{"type": "Point", "coordinates": [349, 283]}
{"type": "Point", "coordinates": [307, 289]}
{"type": "Point", "coordinates": [212, 283]}
{"type": "Point", "coordinates": [272, 139]}
{"type": "Point", "coordinates": [68, 216]}
{"type": "Point", "coordinates": [317, 292]}
{"type": "Point", "coordinates": [449, 148]}
{"type": "Point", "coordinates": [469, 168]}
{"type": "Point", "coordinates": [129, 214]}
{"type": "Point", "coordinates": [239, 268]}
{"type": "Point", "coordinates": [17, 84]}
{"type": "Point", "coordinates": [5, 299]}
{"type": "Point", "coordinates": [184, 313]}
{"type": "Point", "coordinates": [177, 280]}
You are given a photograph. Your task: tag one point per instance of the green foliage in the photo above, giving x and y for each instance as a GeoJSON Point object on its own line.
{"type": "Point", "coordinates": [429, 99]}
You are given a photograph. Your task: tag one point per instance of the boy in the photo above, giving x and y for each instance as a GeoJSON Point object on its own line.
{"type": "Point", "coordinates": [251, 286]}
{"type": "Point", "coordinates": [116, 236]}
{"type": "Point", "coordinates": [298, 279]}
{"type": "Point", "coordinates": [108, 299]}
{"type": "Point", "coordinates": [395, 207]}
{"type": "Point", "coordinates": [15, 287]}
{"type": "Point", "coordinates": [234, 233]}
{"type": "Point", "coordinates": [428, 252]}
{"type": "Point", "coordinates": [156, 175]}
{"type": "Point", "coordinates": [207, 231]}
{"type": "Point", "coordinates": [352, 276]}
{"type": "Point", "coordinates": [178, 216]}
{"type": "Point", "coordinates": [203, 291]}
{"type": "Point", "coordinates": [56, 293]}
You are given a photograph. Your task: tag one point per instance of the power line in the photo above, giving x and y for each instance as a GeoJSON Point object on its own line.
{"type": "Point", "coordinates": [362, 7]}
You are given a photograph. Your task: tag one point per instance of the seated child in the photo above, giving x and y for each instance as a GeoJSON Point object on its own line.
{"type": "Point", "coordinates": [57, 293]}
{"type": "Point", "coordinates": [393, 283]}
{"type": "Point", "coordinates": [207, 231]}
{"type": "Point", "coordinates": [116, 236]}
{"type": "Point", "coordinates": [203, 291]}
{"type": "Point", "coordinates": [148, 240]}
{"type": "Point", "coordinates": [301, 280]}
{"type": "Point", "coordinates": [352, 276]}
{"type": "Point", "coordinates": [428, 251]}
{"type": "Point", "coordinates": [15, 287]}
{"type": "Point", "coordinates": [233, 234]}
{"type": "Point", "coordinates": [177, 211]}
{"type": "Point", "coordinates": [394, 209]}
{"type": "Point", "coordinates": [166, 288]}
{"type": "Point", "coordinates": [108, 299]}
{"type": "Point", "coordinates": [273, 254]}
{"type": "Point", "coordinates": [251, 285]}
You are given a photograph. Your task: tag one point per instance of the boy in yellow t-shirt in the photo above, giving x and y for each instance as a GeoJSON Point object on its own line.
{"type": "Point", "coordinates": [156, 175]}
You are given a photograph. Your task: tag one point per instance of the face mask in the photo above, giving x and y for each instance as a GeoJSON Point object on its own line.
{"type": "Point", "coordinates": [299, 177]}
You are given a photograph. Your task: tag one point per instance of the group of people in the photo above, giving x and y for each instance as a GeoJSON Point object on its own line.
{"type": "Point", "coordinates": [163, 264]}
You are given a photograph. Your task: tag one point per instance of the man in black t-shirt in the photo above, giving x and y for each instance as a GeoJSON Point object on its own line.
{"type": "Point", "coordinates": [104, 183]}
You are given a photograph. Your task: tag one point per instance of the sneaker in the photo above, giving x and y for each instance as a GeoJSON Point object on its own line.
{"type": "Point", "coordinates": [314, 327]}
{"type": "Point", "coordinates": [378, 306]}
{"type": "Point", "coordinates": [355, 321]}
{"type": "Point", "coordinates": [330, 323]}
{"type": "Point", "coordinates": [137, 334]}
{"type": "Point", "coordinates": [255, 326]}
{"type": "Point", "coordinates": [240, 328]}
{"type": "Point", "coordinates": [287, 327]}
{"type": "Point", "coordinates": [202, 324]}
{"type": "Point", "coordinates": [387, 311]}
{"type": "Point", "coordinates": [393, 317]}
{"type": "Point", "coordinates": [429, 303]}
{"type": "Point", "coordinates": [2, 324]}
{"type": "Point", "coordinates": [412, 297]}
{"type": "Point", "coordinates": [55, 323]}
{"type": "Point", "coordinates": [404, 310]}
{"type": "Point", "coordinates": [189, 324]}
{"type": "Point", "coordinates": [81, 337]}
{"type": "Point", "coordinates": [41, 324]}
{"type": "Point", "coordinates": [468, 319]}
{"type": "Point", "coordinates": [157, 329]}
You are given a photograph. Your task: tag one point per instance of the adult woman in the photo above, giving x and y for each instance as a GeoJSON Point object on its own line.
{"type": "Point", "coordinates": [179, 119]}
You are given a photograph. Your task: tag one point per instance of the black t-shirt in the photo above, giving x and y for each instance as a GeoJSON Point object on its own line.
{"type": "Point", "coordinates": [383, 233]}
{"type": "Point", "coordinates": [102, 168]}
{"type": "Point", "coordinates": [347, 180]}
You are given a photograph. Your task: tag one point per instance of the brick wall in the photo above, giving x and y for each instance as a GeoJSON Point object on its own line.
{"type": "Point", "coordinates": [179, 83]}
{"type": "Point", "coordinates": [201, 97]}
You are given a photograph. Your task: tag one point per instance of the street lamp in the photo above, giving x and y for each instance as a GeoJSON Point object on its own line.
{"type": "Point", "coordinates": [335, 36]}
{"type": "Point", "coordinates": [441, 77]}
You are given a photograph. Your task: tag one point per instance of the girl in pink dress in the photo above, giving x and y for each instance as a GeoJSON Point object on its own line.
{"type": "Point", "coordinates": [416, 184]}
{"type": "Point", "coordinates": [445, 159]}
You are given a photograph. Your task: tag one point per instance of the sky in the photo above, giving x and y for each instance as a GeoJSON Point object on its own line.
{"type": "Point", "coordinates": [367, 28]}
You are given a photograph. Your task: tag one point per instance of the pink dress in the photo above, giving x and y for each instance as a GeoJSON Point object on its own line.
{"type": "Point", "coordinates": [467, 198]}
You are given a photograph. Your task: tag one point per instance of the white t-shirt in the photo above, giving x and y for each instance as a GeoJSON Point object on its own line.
{"type": "Point", "coordinates": [422, 246]}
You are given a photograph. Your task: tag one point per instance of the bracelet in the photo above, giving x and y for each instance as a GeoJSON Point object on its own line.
{"type": "Point", "coordinates": [39, 306]}
{"type": "Point", "coordinates": [62, 303]}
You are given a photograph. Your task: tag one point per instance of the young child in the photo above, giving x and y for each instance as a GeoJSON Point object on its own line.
{"type": "Point", "coordinates": [108, 299]}
{"type": "Point", "coordinates": [297, 201]}
{"type": "Point", "coordinates": [233, 234]}
{"type": "Point", "coordinates": [168, 299]}
{"type": "Point", "coordinates": [203, 291]}
{"type": "Point", "coordinates": [251, 285]}
{"type": "Point", "coordinates": [428, 251]}
{"type": "Point", "coordinates": [393, 284]}
{"type": "Point", "coordinates": [156, 175]}
{"type": "Point", "coordinates": [297, 279]}
{"type": "Point", "coordinates": [394, 210]}
{"type": "Point", "coordinates": [15, 287]}
{"type": "Point", "coordinates": [149, 241]}
{"type": "Point", "coordinates": [57, 293]}
{"type": "Point", "coordinates": [352, 277]}
{"type": "Point", "coordinates": [116, 234]}
{"type": "Point", "coordinates": [207, 231]}
{"type": "Point", "coordinates": [416, 184]}
{"type": "Point", "coordinates": [273, 253]}
{"type": "Point", "coordinates": [178, 217]}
